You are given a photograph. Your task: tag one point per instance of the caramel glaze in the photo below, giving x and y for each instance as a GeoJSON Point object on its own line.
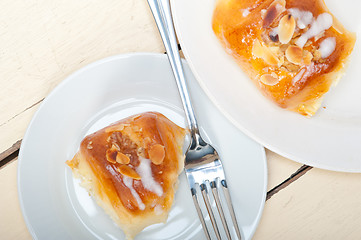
{"type": "Point", "coordinates": [238, 32]}
{"type": "Point", "coordinates": [150, 125]}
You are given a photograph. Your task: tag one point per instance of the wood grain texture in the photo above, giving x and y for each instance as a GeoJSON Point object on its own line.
{"type": "Point", "coordinates": [279, 169]}
{"type": "Point", "coordinates": [13, 225]}
{"type": "Point", "coordinates": [14, 148]}
{"type": "Point", "coordinates": [294, 177]}
{"type": "Point", "coordinates": [10, 154]}
{"type": "Point", "coordinates": [14, 129]}
{"type": "Point", "coordinates": [42, 42]}
{"type": "Point", "coordinates": [319, 205]}
{"type": "Point", "coordinates": [11, 220]}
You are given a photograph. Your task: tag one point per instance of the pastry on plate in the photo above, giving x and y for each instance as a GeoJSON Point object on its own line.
{"type": "Point", "coordinates": [294, 50]}
{"type": "Point", "coordinates": [131, 169]}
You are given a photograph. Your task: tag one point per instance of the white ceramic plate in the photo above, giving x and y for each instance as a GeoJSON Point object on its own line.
{"type": "Point", "coordinates": [330, 140]}
{"type": "Point", "coordinates": [53, 204]}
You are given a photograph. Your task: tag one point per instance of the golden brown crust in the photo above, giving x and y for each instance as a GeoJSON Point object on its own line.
{"type": "Point", "coordinates": [118, 161]}
{"type": "Point", "coordinates": [270, 44]}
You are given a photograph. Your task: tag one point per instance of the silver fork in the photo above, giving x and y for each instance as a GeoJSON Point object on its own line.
{"type": "Point", "coordinates": [202, 164]}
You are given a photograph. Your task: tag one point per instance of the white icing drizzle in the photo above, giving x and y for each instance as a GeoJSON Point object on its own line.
{"type": "Point", "coordinates": [327, 47]}
{"type": "Point", "coordinates": [304, 18]}
{"type": "Point", "coordinates": [129, 183]}
{"type": "Point", "coordinates": [323, 22]}
{"type": "Point", "coordinates": [302, 74]}
{"type": "Point", "coordinates": [299, 76]}
{"type": "Point", "coordinates": [158, 209]}
{"type": "Point", "coordinates": [245, 12]}
{"type": "Point", "coordinates": [145, 171]}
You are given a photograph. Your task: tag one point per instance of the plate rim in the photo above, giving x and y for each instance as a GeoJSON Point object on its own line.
{"type": "Point", "coordinates": [91, 65]}
{"type": "Point", "coordinates": [258, 138]}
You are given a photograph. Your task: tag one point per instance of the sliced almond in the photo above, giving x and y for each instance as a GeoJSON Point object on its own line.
{"type": "Point", "coordinates": [111, 155]}
{"type": "Point", "coordinates": [274, 10]}
{"type": "Point", "coordinates": [261, 51]}
{"type": "Point", "coordinates": [317, 55]}
{"type": "Point", "coordinates": [294, 54]}
{"type": "Point", "coordinates": [286, 28]}
{"type": "Point", "coordinates": [116, 146]}
{"type": "Point", "coordinates": [116, 128]}
{"type": "Point", "coordinates": [274, 49]}
{"type": "Point", "coordinates": [269, 79]}
{"type": "Point", "coordinates": [307, 57]}
{"type": "Point", "coordinates": [146, 142]}
{"type": "Point", "coordinates": [122, 158]}
{"type": "Point", "coordinates": [90, 146]}
{"type": "Point", "coordinates": [270, 58]}
{"type": "Point", "coordinates": [136, 117]}
{"type": "Point", "coordinates": [115, 139]}
{"type": "Point", "coordinates": [141, 151]}
{"type": "Point", "coordinates": [282, 61]}
{"type": "Point", "coordinates": [257, 49]}
{"type": "Point", "coordinates": [137, 129]}
{"type": "Point", "coordinates": [156, 154]}
{"type": "Point", "coordinates": [128, 171]}
{"type": "Point", "coordinates": [290, 67]}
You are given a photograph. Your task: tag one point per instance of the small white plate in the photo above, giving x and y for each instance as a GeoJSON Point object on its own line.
{"type": "Point", "coordinates": [53, 204]}
{"type": "Point", "coordinates": [330, 140]}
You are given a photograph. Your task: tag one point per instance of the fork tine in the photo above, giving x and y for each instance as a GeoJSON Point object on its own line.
{"type": "Point", "coordinates": [199, 211]}
{"type": "Point", "coordinates": [219, 207]}
{"type": "Point", "coordinates": [230, 207]}
{"type": "Point", "coordinates": [209, 209]}
{"type": "Point", "coordinates": [199, 153]}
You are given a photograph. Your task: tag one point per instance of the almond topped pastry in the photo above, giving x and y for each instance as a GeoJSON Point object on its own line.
{"type": "Point", "coordinates": [131, 169]}
{"type": "Point", "coordinates": [294, 50]}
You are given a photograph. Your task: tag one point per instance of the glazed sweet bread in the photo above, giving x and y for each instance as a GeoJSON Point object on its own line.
{"type": "Point", "coordinates": [131, 169]}
{"type": "Point", "coordinates": [294, 50]}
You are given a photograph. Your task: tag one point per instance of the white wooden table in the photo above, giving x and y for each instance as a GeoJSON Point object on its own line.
{"type": "Point", "coordinates": [43, 41]}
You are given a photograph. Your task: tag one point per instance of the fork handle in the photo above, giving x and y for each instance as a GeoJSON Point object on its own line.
{"type": "Point", "coordinates": [163, 17]}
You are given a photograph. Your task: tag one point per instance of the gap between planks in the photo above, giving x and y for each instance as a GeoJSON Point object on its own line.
{"type": "Point", "coordinates": [12, 153]}
{"type": "Point", "coordinates": [296, 175]}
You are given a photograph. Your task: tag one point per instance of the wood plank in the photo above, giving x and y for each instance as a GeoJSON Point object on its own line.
{"type": "Point", "coordinates": [297, 212]}
{"type": "Point", "coordinates": [14, 130]}
{"type": "Point", "coordinates": [13, 149]}
{"type": "Point", "coordinates": [11, 220]}
{"type": "Point", "coordinates": [9, 155]}
{"type": "Point", "coordinates": [13, 215]}
{"type": "Point", "coordinates": [45, 41]}
{"type": "Point", "coordinates": [294, 177]}
{"type": "Point", "coordinates": [319, 205]}
{"type": "Point", "coordinates": [279, 169]}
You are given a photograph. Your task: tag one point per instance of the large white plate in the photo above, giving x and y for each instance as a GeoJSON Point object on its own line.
{"type": "Point", "coordinates": [53, 204]}
{"type": "Point", "coordinates": [330, 140]}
